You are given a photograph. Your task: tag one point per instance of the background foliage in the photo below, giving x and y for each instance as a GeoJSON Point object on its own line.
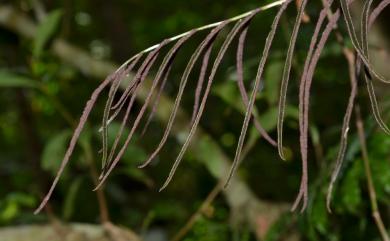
{"type": "Point", "coordinates": [42, 97]}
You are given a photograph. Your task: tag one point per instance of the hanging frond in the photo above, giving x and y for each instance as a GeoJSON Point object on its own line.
{"type": "Point", "coordinates": [242, 24]}
{"type": "Point", "coordinates": [199, 85]}
{"type": "Point", "coordinates": [76, 134]}
{"type": "Point", "coordinates": [133, 77]}
{"type": "Point", "coordinates": [366, 22]}
{"type": "Point", "coordinates": [286, 76]}
{"type": "Point", "coordinates": [355, 41]}
{"type": "Point", "coordinates": [207, 42]}
{"type": "Point", "coordinates": [260, 69]}
{"type": "Point", "coordinates": [242, 89]}
{"type": "Point", "coordinates": [111, 95]}
{"type": "Point", "coordinates": [163, 68]}
{"type": "Point", "coordinates": [367, 77]}
{"type": "Point", "coordinates": [345, 128]}
{"type": "Point", "coordinates": [156, 101]}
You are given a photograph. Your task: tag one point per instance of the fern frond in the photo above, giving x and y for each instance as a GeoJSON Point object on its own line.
{"type": "Point", "coordinates": [207, 42]}
{"type": "Point", "coordinates": [111, 156]}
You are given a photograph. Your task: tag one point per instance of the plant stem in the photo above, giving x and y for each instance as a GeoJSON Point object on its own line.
{"type": "Point", "coordinates": [370, 184]}
{"type": "Point", "coordinates": [205, 204]}
{"type": "Point", "coordinates": [210, 197]}
{"type": "Point", "coordinates": [102, 202]}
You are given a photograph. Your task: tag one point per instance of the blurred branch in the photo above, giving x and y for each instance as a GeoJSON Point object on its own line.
{"type": "Point", "coordinates": [370, 184]}
{"type": "Point", "coordinates": [104, 213]}
{"type": "Point", "coordinates": [206, 204]}
{"type": "Point", "coordinates": [39, 9]}
{"type": "Point", "coordinates": [203, 207]}
{"type": "Point", "coordinates": [71, 232]}
{"type": "Point", "coordinates": [240, 198]}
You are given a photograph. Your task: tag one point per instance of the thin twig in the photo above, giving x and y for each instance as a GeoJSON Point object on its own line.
{"type": "Point", "coordinates": [370, 184]}
{"type": "Point", "coordinates": [205, 204]}
{"type": "Point", "coordinates": [210, 197]}
{"type": "Point", "coordinates": [102, 202]}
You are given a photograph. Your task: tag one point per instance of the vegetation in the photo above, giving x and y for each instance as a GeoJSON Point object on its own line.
{"type": "Point", "coordinates": [233, 96]}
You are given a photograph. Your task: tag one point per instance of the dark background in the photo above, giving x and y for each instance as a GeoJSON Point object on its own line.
{"type": "Point", "coordinates": [38, 114]}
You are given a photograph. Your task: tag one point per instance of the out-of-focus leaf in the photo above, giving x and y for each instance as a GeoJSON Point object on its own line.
{"type": "Point", "coordinates": [10, 207]}
{"type": "Point", "coordinates": [85, 138]}
{"type": "Point", "coordinates": [139, 175]}
{"type": "Point", "coordinates": [315, 135]}
{"type": "Point", "coordinates": [379, 146]}
{"type": "Point", "coordinates": [211, 230]}
{"type": "Point", "coordinates": [268, 119]}
{"type": "Point", "coordinates": [228, 92]}
{"type": "Point", "coordinates": [169, 209]}
{"type": "Point", "coordinates": [9, 79]}
{"type": "Point", "coordinates": [273, 75]}
{"type": "Point", "coordinates": [23, 199]}
{"type": "Point", "coordinates": [45, 31]}
{"type": "Point", "coordinates": [318, 215]}
{"type": "Point", "coordinates": [54, 151]}
{"type": "Point", "coordinates": [381, 177]}
{"type": "Point", "coordinates": [350, 192]}
{"type": "Point", "coordinates": [133, 153]}
{"type": "Point", "coordinates": [70, 198]}
{"type": "Point", "coordinates": [9, 212]}
{"type": "Point", "coordinates": [353, 148]}
{"type": "Point", "coordinates": [277, 229]}
{"type": "Point", "coordinates": [208, 151]}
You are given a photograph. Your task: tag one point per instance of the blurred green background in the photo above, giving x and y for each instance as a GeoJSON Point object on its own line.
{"type": "Point", "coordinates": [54, 53]}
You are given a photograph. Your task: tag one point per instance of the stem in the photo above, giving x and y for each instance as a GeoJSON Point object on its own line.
{"type": "Point", "coordinates": [102, 202]}
{"type": "Point", "coordinates": [370, 184]}
{"type": "Point", "coordinates": [205, 204]}
{"type": "Point", "coordinates": [210, 197]}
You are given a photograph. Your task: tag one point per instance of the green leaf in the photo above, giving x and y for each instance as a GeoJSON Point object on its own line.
{"type": "Point", "coordinates": [138, 175]}
{"type": "Point", "coordinates": [229, 93]}
{"type": "Point", "coordinates": [319, 215]}
{"type": "Point", "coordinates": [24, 199]}
{"type": "Point", "coordinates": [70, 198]}
{"type": "Point", "coordinates": [277, 229]}
{"type": "Point", "coordinates": [350, 192]}
{"type": "Point", "coordinates": [9, 79]}
{"type": "Point", "coordinates": [54, 151]}
{"type": "Point", "coordinates": [11, 205]}
{"type": "Point", "coordinates": [268, 119]}
{"type": "Point", "coordinates": [133, 154]}
{"type": "Point", "coordinates": [9, 212]}
{"type": "Point", "coordinates": [273, 75]}
{"type": "Point", "coordinates": [45, 31]}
